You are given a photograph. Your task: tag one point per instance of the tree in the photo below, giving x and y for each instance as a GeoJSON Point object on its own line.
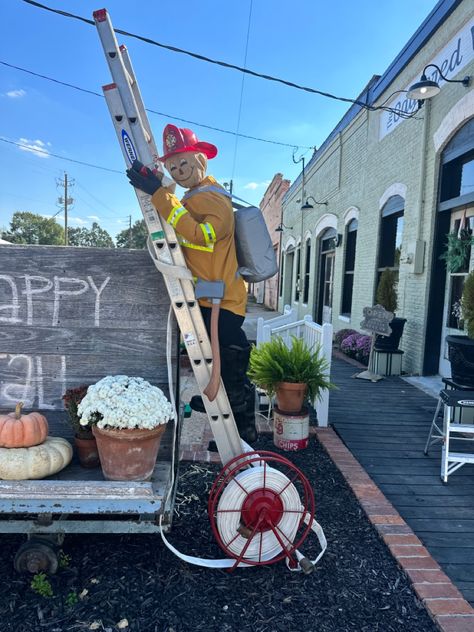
{"type": "Point", "coordinates": [133, 238]}
{"type": "Point", "coordinates": [31, 228]}
{"type": "Point", "coordinates": [95, 237]}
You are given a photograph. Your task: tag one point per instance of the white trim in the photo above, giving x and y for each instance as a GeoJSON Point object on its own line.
{"type": "Point", "coordinates": [454, 119]}
{"type": "Point", "coordinates": [351, 213]}
{"type": "Point", "coordinates": [290, 242]}
{"type": "Point", "coordinates": [307, 236]}
{"type": "Point", "coordinates": [345, 319]}
{"type": "Point", "coordinates": [397, 188]}
{"type": "Point", "coordinates": [328, 220]}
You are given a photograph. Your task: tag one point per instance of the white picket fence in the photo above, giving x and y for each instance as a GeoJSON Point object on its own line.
{"type": "Point", "coordinates": [313, 334]}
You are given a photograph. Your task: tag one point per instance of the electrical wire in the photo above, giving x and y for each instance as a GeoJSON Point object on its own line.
{"type": "Point", "coordinates": [163, 114]}
{"type": "Point", "coordinates": [224, 64]}
{"type": "Point", "coordinates": [241, 94]}
{"type": "Point", "coordinates": [48, 153]}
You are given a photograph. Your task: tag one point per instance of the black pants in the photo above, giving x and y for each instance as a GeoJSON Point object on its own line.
{"type": "Point", "coordinates": [230, 327]}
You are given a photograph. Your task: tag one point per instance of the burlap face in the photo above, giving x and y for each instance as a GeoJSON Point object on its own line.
{"type": "Point", "coordinates": [188, 169]}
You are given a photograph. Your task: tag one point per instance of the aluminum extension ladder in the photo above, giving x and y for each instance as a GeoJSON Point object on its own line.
{"type": "Point", "coordinates": [136, 141]}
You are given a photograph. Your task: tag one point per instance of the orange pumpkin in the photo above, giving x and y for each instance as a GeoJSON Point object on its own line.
{"type": "Point", "coordinates": [22, 431]}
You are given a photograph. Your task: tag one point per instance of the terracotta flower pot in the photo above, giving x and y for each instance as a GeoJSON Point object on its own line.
{"type": "Point", "coordinates": [290, 396]}
{"type": "Point", "coordinates": [87, 452]}
{"type": "Point", "coordinates": [128, 455]}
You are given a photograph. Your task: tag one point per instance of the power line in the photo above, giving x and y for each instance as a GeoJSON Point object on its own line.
{"type": "Point", "coordinates": [241, 96]}
{"type": "Point", "coordinates": [48, 153]}
{"type": "Point", "coordinates": [164, 114]}
{"type": "Point", "coordinates": [224, 64]}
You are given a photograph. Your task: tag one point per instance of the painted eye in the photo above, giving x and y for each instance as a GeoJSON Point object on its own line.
{"type": "Point", "coordinates": [173, 168]}
{"type": "Point", "coordinates": [183, 162]}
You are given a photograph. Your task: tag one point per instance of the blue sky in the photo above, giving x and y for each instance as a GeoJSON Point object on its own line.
{"type": "Point", "coordinates": [335, 47]}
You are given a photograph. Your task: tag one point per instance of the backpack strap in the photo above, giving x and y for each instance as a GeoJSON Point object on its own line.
{"type": "Point", "coordinates": [210, 187]}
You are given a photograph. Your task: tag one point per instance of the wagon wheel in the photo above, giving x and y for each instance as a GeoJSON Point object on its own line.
{"type": "Point", "coordinates": [34, 557]}
{"type": "Point", "coordinates": [260, 514]}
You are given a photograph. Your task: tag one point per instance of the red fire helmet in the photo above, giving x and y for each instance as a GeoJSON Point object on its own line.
{"type": "Point", "coordinates": [178, 140]}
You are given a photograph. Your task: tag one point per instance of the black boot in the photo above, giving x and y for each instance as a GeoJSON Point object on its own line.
{"type": "Point", "coordinates": [241, 394]}
{"type": "Point", "coordinates": [246, 420]}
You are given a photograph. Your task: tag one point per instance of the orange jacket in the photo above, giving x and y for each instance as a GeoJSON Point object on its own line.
{"type": "Point", "coordinates": [204, 225]}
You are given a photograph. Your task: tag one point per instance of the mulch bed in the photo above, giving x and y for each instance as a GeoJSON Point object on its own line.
{"type": "Point", "coordinates": [357, 585]}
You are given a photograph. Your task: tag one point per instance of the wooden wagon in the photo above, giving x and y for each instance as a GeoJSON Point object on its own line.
{"type": "Point", "coordinates": [70, 316]}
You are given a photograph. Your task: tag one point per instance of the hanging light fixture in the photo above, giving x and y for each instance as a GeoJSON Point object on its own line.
{"type": "Point", "coordinates": [306, 206]}
{"type": "Point", "coordinates": [281, 226]}
{"type": "Point", "coordinates": [427, 88]}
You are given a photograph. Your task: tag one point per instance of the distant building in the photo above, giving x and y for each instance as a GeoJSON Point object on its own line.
{"type": "Point", "coordinates": [266, 292]}
{"type": "Point", "coordinates": [384, 190]}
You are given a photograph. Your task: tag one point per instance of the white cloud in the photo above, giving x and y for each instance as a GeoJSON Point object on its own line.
{"type": "Point", "coordinates": [256, 185]}
{"type": "Point", "coordinates": [78, 221]}
{"type": "Point", "coordinates": [37, 147]}
{"type": "Point", "coordinates": [94, 218]}
{"type": "Point", "coordinates": [15, 94]}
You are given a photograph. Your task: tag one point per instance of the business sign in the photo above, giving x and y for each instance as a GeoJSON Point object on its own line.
{"type": "Point", "coordinates": [451, 59]}
{"type": "Point", "coordinates": [376, 320]}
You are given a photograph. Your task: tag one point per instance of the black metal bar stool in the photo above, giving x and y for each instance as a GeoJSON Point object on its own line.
{"type": "Point", "coordinates": [455, 400]}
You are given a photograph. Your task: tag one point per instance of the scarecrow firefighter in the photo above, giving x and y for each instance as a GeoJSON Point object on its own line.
{"type": "Point", "coordinates": [204, 223]}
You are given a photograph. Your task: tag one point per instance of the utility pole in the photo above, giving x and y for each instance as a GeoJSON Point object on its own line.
{"type": "Point", "coordinates": [129, 231]}
{"type": "Point", "coordinates": [65, 202]}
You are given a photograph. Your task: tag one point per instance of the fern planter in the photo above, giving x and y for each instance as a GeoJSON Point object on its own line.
{"type": "Point", "coordinates": [302, 371]}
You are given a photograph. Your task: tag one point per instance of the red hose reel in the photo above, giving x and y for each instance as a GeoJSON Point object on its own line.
{"type": "Point", "coordinates": [261, 508]}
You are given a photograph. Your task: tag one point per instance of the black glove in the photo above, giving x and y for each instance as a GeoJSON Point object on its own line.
{"type": "Point", "coordinates": [143, 178]}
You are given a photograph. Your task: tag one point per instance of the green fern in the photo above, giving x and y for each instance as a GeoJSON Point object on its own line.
{"type": "Point", "coordinates": [457, 250]}
{"type": "Point", "coordinates": [274, 362]}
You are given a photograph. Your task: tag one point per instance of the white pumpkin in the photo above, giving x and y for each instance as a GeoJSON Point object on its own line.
{"type": "Point", "coordinates": [50, 457]}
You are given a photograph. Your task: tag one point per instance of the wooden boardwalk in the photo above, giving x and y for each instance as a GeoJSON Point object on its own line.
{"type": "Point", "coordinates": [385, 425]}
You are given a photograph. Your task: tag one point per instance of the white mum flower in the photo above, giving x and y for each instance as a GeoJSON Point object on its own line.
{"type": "Point", "coordinates": [125, 402]}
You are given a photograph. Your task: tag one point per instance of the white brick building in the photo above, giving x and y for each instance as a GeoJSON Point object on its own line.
{"type": "Point", "coordinates": [385, 192]}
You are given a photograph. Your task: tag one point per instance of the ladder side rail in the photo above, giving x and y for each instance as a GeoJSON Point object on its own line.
{"type": "Point", "coordinates": [123, 80]}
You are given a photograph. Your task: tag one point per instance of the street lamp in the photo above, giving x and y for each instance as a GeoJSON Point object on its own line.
{"type": "Point", "coordinates": [427, 88]}
{"type": "Point", "coordinates": [306, 206]}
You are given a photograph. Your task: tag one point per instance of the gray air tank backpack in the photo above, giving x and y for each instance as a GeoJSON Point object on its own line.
{"type": "Point", "coordinates": [255, 253]}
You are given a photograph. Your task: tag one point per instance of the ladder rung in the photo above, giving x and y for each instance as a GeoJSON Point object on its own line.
{"type": "Point", "coordinates": [466, 428]}
{"type": "Point", "coordinates": [460, 457]}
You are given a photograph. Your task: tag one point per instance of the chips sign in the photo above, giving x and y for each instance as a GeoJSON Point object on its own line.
{"type": "Point", "coordinates": [376, 320]}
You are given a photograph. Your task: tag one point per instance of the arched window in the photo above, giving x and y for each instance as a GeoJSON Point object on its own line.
{"type": "Point", "coordinates": [457, 218]}
{"type": "Point", "coordinates": [457, 174]}
{"type": "Point", "coordinates": [349, 264]}
{"type": "Point", "coordinates": [327, 243]}
{"type": "Point", "coordinates": [391, 234]}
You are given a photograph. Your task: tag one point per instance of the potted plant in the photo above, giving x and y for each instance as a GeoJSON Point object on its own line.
{"type": "Point", "coordinates": [84, 440]}
{"type": "Point", "coordinates": [128, 417]}
{"type": "Point", "coordinates": [461, 348]}
{"type": "Point", "coordinates": [387, 297]}
{"type": "Point", "coordinates": [293, 373]}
